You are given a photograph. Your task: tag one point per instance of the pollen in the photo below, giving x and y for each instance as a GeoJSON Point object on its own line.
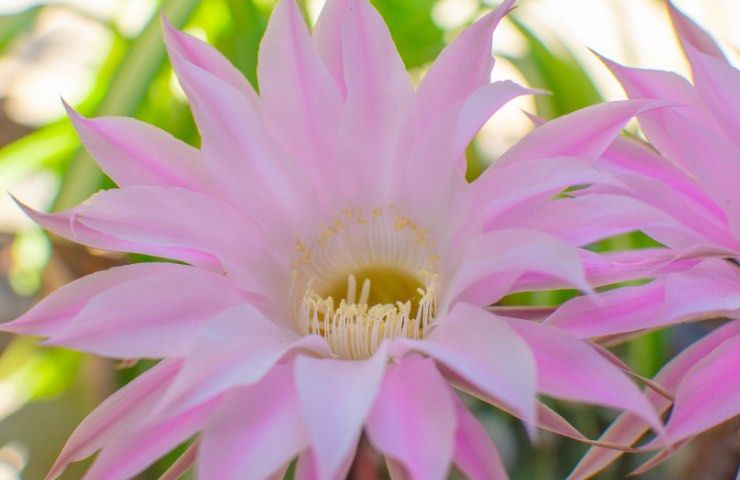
{"type": "Point", "coordinates": [365, 278]}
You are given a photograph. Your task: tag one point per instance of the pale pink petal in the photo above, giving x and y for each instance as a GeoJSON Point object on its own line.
{"type": "Point", "coordinates": [239, 154]}
{"type": "Point", "coordinates": [461, 68]}
{"type": "Point", "coordinates": [571, 369]}
{"type": "Point", "coordinates": [502, 188]}
{"type": "Point", "coordinates": [300, 99]}
{"type": "Point", "coordinates": [208, 58]}
{"type": "Point", "coordinates": [327, 36]}
{"type": "Point", "coordinates": [135, 153]}
{"type": "Point", "coordinates": [585, 133]}
{"type": "Point", "coordinates": [628, 428]}
{"type": "Point", "coordinates": [379, 96]}
{"type": "Point", "coordinates": [305, 468]}
{"type": "Point", "coordinates": [475, 453]}
{"type": "Point", "coordinates": [116, 415]}
{"type": "Point", "coordinates": [173, 223]}
{"type": "Point", "coordinates": [255, 431]}
{"type": "Point", "coordinates": [708, 395]}
{"type": "Point", "coordinates": [235, 349]}
{"type": "Point", "coordinates": [406, 426]}
{"type": "Point", "coordinates": [691, 34]}
{"type": "Point", "coordinates": [131, 453]}
{"type": "Point", "coordinates": [351, 388]}
{"type": "Point", "coordinates": [491, 262]}
{"type": "Point", "coordinates": [470, 342]}
{"type": "Point", "coordinates": [136, 311]}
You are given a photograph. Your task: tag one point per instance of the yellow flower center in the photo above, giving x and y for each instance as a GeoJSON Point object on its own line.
{"type": "Point", "coordinates": [364, 279]}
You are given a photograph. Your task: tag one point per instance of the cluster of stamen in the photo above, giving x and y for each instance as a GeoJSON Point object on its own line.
{"type": "Point", "coordinates": [366, 278]}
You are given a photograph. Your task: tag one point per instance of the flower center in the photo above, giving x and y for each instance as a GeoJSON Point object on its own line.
{"type": "Point", "coordinates": [366, 277]}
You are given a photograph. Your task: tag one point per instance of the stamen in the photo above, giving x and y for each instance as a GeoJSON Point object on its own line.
{"type": "Point", "coordinates": [394, 261]}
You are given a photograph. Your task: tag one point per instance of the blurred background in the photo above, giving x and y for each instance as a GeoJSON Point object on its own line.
{"type": "Point", "coordinates": [106, 57]}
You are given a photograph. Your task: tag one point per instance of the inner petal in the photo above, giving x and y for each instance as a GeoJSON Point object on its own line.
{"type": "Point", "coordinates": [366, 277]}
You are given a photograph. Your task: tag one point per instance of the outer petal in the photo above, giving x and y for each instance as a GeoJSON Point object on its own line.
{"type": "Point", "coordinates": [116, 415]}
{"type": "Point", "coordinates": [134, 153]}
{"type": "Point", "coordinates": [500, 189]}
{"type": "Point", "coordinates": [236, 349]}
{"type": "Point", "coordinates": [405, 425]}
{"type": "Point", "coordinates": [628, 428]}
{"type": "Point", "coordinates": [461, 68]}
{"type": "Point", "coordinates": [491, 262]}
{"type": "Point", "coordinates": [379, 96]}
{"type": "Point", "coordinates": [691, 34]}
{"type": "Point", "coordinates": [208, 58]}
{"type": "Point", "coordinates": [569, 368]}
{"type": "Point", "coordinates": [351, 388]}
{"type": "Point", "coordinates": [255, 431]}
{"type": "Point", "coordinates": [300, 100]}
{"type": "Point", "coordinates": [131, 453]}
{"type": "Point", "coordinates": [134, 311]}
{"type": "Point", "coordinates": [708, 395]}
{"type": "Point", "coordinates": [327, 36]}
{"type": "Point", "coordinates": [585, 133]}
{"type": "Point", "coordinates": [475, 453]}
{"type": "Point", "coordinates": [470, 342]}
{"type": "Point", "coordinates": [241, 158]}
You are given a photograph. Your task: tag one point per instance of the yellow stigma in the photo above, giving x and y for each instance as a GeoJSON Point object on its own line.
{"type": "Point", "coordinates": [365, 279]}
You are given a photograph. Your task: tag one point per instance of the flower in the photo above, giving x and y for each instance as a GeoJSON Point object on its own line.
{"type": "Point", "coordinates": [337, 266]}
{"type": "Point", "coordinates": [687, 188]}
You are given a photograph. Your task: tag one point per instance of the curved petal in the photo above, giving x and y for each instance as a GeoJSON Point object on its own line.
{"type": "Point", "coordinates": [131, 152]}
{"type": "Point", "coordinates": [470, 342]}
{"type": "Point", "coordinates": [300, 100]}
{"type": "Point", "coordinates": [135, 311]}
{"type": "Point", "coordinates": [255, 431]}
{"type": "Point", "coordinates": [352, 387]}
{"type": "Point", "coordinates": [475, 453]}
{"type": "Point", "coordinates": [491, 262]}
{"type": "Point", "coordinates": [708, 395]}
{"type": "Point", "coordinates": [240, 157]}
{"type": "Point", "coordinates": [208, 58]}
{"type": "Point", "coordinates": [462, 67]}
{"type": "Point", "coordinates": [569, 368]}
{"type": "Point", "coordinates": [500, 189]}
{"type": "Point", "coordinates": [585, 133]}
{"type": "Point", "coordinates": [327, 36]}
{"type": "Point", "coordinates": [628, 428]}
{"type": "Point", "coordinates": [691, 34]}
{"type": "Point", "coordinates": [379, 96]}
{"type": "Point", "coordinates": [405, 425]}
{"type": "Point", "coordinates": [236, 349]}
{"type": "Point", "coordinates": [114, 417]}
{"type": "Point", "coordinates": [129, 454]}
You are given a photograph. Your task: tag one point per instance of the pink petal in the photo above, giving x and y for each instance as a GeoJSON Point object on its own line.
{"type": "Point", "coordinates": [405, 425]}
{"type": "Point", "coordinates": [235, 349]}
{"type": "Point", "coordinates": [475, 453]}
{"type": "Point", "coordinates": [255, 431]}
{"type": "Point", "coordinates": [351, 386]}
{"type": "Point", "coordinates": [628, 428]}
{"type": "Point", "coordinates": [461, 68]}
{"type": "Point", "coordinates": [708, 395]}
{"type": "Point", "coordinates": [692, 35]}
{"type": "Point", "coordinates": [135, 153]}
{"type": "Point", "coordinates": [470, 342]}
{"type": "Point", "coordinates": [116, 415]}
{"type": "Point", "coordinates": [379, 96]}
{"type": "Point", "coordinates": [300, 100]}
{"type": "Point", "coordinates": [129, 454]}
{"type": "Point", "coordinates": [571, 369]}
{"type": "Point", "coordinates": [240, 156]}
{"type": "Point", "coordinates": [500, 189]}
{"type": "Point", "coordinates": [208, 58]}
{"type": "Point", "coordinates": [585, 133]}
{"type": "Point", "coordinates": [327, 36]}
{"type": "Point", "coordinates": [136, 311]}
{"type": "Point", "coordinates": [491, 262]}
